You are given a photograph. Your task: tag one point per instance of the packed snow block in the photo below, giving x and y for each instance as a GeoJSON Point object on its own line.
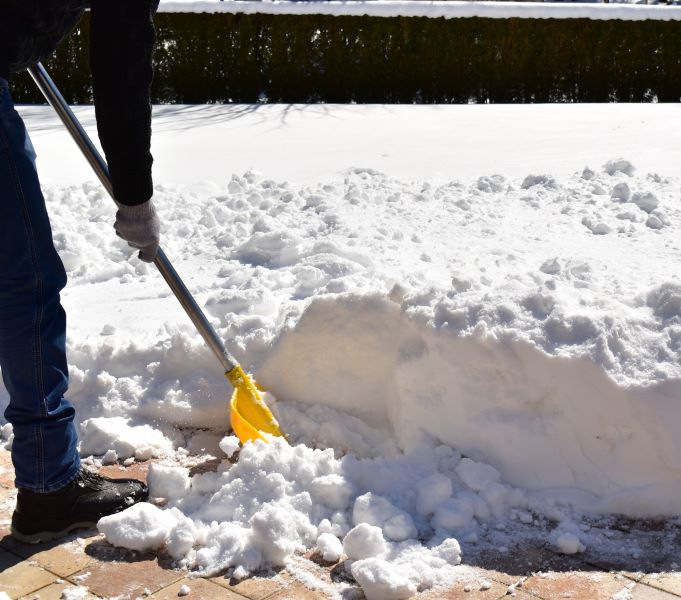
{"type": "Point", "coordinates": [381, 580]}
{"type": "Point", "coordinates": [364, 541]}
{"type": "Point", "coordinates": [141, 527]}
{"type": "Point", "coordinates": [168, 481]}
{"type": "Point", "coordinates": [99, 435]}
{"type": "Point", "coordinates": [379, 511]}
{"type": "Point", "coordinates": [210, 58]}
{"type": "Point", "coordinates": [329, 547]}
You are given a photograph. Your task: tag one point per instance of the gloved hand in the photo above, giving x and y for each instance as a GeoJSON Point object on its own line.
{"type": "Point", "coordinates": [140, 227]}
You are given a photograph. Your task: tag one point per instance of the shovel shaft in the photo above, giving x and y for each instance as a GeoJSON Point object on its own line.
{"type": "Point", "coordinates": [98, 164]}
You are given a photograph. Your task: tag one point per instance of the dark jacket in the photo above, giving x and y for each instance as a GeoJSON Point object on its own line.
{"type": "Point", "coordinates": [121, 46]}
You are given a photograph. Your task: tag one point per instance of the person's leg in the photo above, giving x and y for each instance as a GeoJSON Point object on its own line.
{"type": "Point", "coordinates": [32, 320]}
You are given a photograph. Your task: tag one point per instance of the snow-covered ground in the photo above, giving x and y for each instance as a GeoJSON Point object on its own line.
{"type": "Point", "coordinates": [475, 310]}
{"type": "Point", "coordinates": [448, 9]}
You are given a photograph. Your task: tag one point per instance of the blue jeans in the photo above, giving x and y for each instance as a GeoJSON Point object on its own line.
{"type": "Point", "coordinates": [32, 320]}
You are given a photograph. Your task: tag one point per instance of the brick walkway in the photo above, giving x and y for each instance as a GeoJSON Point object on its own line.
{"type": "Point", "coordinates": [528, 573]}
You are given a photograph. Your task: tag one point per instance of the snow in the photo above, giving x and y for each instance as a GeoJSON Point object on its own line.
{"type": "Point", "coordinates": [456, 344]}
{"type": "Point", "coordinates": [449, 9]}
{"type": "Point", "coordinates": [364, 541]}
{"type": "Point", "coordinates": [568, 543]}
{"type": "Point", "coordinates": [229, 445]}
{"type": "Point", "coordinates": [168, 481]}
{"type": "Point", "coordinates": [329, 547]}
{"type": "Point", "coordinates": [74, 593]}
{"type": "Point", "coordinates": [382, 581]}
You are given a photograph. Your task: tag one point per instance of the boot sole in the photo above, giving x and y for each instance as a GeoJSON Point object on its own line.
{"type": "Point", "coordinates": [46, 536]}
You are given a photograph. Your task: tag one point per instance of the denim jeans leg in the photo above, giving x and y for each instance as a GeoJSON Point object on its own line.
{"type": "Point", "coordinates": [32, 320]}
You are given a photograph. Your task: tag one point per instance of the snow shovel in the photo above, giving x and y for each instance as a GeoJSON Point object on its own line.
{"type": "Point", "coordinates": [250, 416]}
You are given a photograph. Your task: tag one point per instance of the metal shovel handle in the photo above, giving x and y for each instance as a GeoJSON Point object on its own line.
{"type": "Point", "coordinates": [54, 97]}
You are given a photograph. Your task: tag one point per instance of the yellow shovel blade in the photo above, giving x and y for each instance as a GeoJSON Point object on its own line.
{"type": "Point", "coordinates": [250, 416]}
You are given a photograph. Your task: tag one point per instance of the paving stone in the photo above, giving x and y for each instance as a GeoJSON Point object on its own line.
{"type": "Point", "coordinates": [297, 591]}
{"type": "Point", "coordinates": [200, 589]}
{"type": "Point", "coordinates": [253, 588]}
{"type": "Point", "coordinates": [669, 582]}
{"type": "Point", "coordinates": [521, 561]}
{"type": "Point", "coordinates": [644, 592]}
{"type": "Point", "coordinates": [131, 576]}
{"type": "Point", "coordinates": [137, 470]}
{"type": "Point", "coordinates": [458, 592]}
{"type": "Point", "coordinates": [63, 560]}
{"type": "Point", "coordinates": [62, 557]}
{"type": "Point", "coordinates": [20, 577]}
{"type": "Point", "coordinates": [576, 585]}
{"type": "Point", "coordinates": [54, 592]}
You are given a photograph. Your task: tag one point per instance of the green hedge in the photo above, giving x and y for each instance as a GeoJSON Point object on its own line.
{"type": "Point", "coordinates": [249, 58]}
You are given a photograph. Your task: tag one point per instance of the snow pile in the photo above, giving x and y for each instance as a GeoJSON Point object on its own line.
{"type": "Point", "coordinates": [279, 500]}
{"type": "Point", "coordinates": [448, 9]}
{"type": "Point", "coordinates": [508, 318]}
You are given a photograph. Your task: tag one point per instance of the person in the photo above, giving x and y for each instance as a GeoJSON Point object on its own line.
{"type": "Point", "coordinates": [55, 493]}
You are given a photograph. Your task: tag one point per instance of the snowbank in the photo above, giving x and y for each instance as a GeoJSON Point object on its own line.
{"type": "Point", "coordinates": [532, 324]}
{"type": "Point", "coordinates": [448, 9]}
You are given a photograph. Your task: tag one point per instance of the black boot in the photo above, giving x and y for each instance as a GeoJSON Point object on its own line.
{"type": "Point", "coordinates": [42, 517]}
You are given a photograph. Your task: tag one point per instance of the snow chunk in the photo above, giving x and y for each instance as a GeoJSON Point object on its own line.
{"type": "Point", "coordinates": [569, 543]}
{"type": "Point", "coordinates": [329, 547]}
{"type": "Point", "coordinates": [551, 266]}
{"type": "Point", "coordinates": [168, 481]}
{"type": "Point", "coordinates": [70, 593]}
{"type": "Point", "coordinates": [646, 201]}
{"type": "Point", "coordinates": [596, 227]}
{"type": "Point", "coordinates": [364, 541]}
{"type": "Point", "coordinates": [619, 165]}
{"type": "Point", "coordinates": [381, 580]}
{"type": "Point", "coordinates": [275, 249]}
{"type": "Point", "coordinates": [654, 222]}
{"type": "Point", "coordinates": [184, 590]}
{"type": "Point", "coordinates": [665, 300]}
{"type": "Point", "coordinates": [476, 475]}
{"type": "Point", "coordinates": [110, 458]}
{"type": "Point", "coordinates": [182, 537]}
{"type": "Point", "coordinates": [542, 180]}
{"type": "Point", "coordinates": [101, 434]}
{"type": "Point", "coordinates": [229, 445]}
{"type": "Point", "coordinates": [276, 533]}
{"type": "Point", "coordinates": [449, 551]}
{"type": "Point", "coordinates": [621, 192]}
{"type": "Point", "coordinates": [491, 184]}
{"type": "Point", "coordinates": [431, 493]}
{"type": "Point", "coordinates": [377, 510]}
{"type": "Point", "coordinates": [141, 527]}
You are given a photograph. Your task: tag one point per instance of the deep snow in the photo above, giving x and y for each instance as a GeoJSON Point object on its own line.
{"type": "Point", "coordinates": [478, 351]}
